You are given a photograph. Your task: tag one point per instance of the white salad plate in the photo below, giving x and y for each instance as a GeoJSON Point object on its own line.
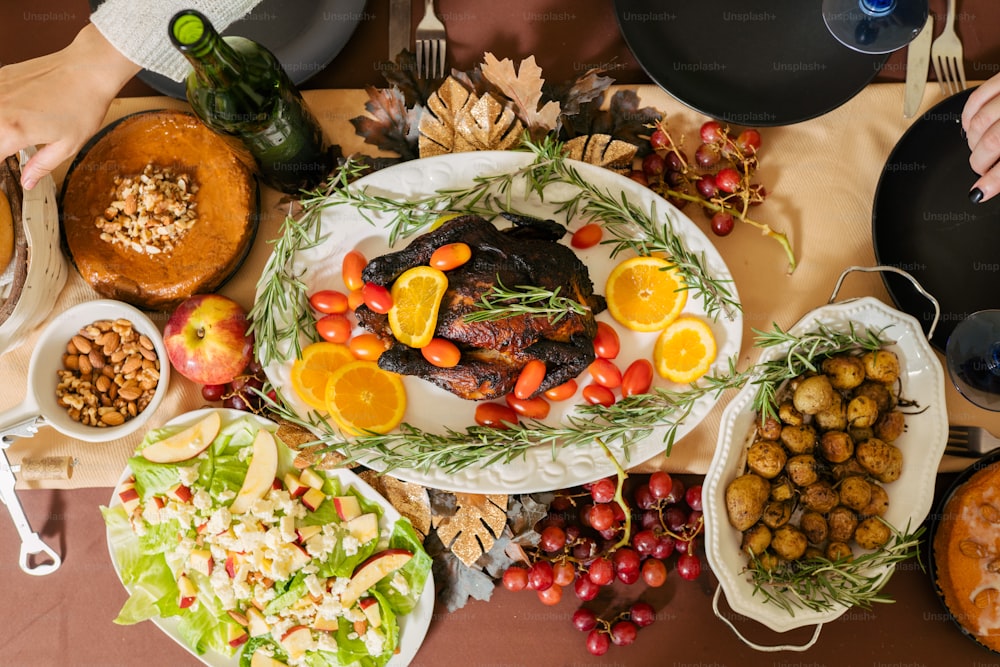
{"type": "Point", "coordinates": [344, 228]}
{"type": "Point", "coordinates": [910, 497]}
{"type": "Point", "coordinates": [412, 627]}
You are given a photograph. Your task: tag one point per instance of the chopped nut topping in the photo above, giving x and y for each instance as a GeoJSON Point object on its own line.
{"type": "Point", "coordinates": [149, 213]}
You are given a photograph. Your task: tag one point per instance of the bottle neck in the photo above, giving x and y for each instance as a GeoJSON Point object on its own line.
{"type": "Point", "coordinates": [211, 57]}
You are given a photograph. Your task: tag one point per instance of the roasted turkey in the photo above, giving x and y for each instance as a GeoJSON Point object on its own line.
{"type": "Point", "coordinates": [494, 352]}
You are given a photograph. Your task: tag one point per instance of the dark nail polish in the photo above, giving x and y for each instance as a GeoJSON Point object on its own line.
{"type": "Point", "coordinates": [975, 195]}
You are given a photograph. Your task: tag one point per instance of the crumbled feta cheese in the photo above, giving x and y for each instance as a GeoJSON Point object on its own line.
{"type": "Point", "coordinates": [350, 544]}
{"type": "Point", "coordinates": [315, 585]}
{"type": "Point", "coordinates": [201, 500]}
{"type": "Point", "coordinates": [400, 583]}
{"type": "Point", "coordinates": [188, 475]}
{"type": "Point", "coordinates": [374, 641]}
{"type": "Point", "coordinates": [220, 521]}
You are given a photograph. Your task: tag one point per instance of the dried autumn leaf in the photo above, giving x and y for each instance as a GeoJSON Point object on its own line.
{"type": "Point", "coordinates": [585, 88]}
{"type": "Point", "coordinates": [402, 74]}
{"type": "Point", "coordinates": [602, 150]}
{"type": "Point", "coordinates": [411, 500]}
{"type": "Point", "coordinates": [622, 119]}
{"type": "Point", "coordinates": [389, 125]}
{"type": "Point", "coordinates": [524, 88]}
{"type": "Point", "coordinates": [455, 582]}
{"type": "Point", "coordinates": [475, 526]}
{"type": "Point", "coordinates": [459, 121]}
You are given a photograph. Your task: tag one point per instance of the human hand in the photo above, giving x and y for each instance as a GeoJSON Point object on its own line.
{"type": "Point", "coordinates": [58, 101]}
{"type": "Point", "coordinates": [981, 122]}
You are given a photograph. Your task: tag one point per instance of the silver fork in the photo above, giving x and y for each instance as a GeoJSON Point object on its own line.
{"type": "Point", "coordinates": [430, 38]}
{"type": "Point", "coordinates": [946, 54]}
{"type": "Point", "coordinates": [970, 441]}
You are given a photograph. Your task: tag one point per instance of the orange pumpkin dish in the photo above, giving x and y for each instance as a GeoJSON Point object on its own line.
{"type": "Point", "coordinates": [158, 208]}
{"type": "Point", "coordinates": [967, 555]}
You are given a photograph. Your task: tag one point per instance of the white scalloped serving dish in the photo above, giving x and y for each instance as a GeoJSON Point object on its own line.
{"type": "Point", "coordinates": [910, 497]}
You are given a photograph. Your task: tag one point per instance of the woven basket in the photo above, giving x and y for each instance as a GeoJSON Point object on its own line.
{"type": "Point", "coordinates": [39, 267]}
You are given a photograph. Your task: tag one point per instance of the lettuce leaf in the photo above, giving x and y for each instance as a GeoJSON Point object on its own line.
{"type": "Point", "coordinates": [415, 571]}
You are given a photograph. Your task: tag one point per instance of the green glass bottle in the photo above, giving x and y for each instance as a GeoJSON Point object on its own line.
{"type": "Point", "coordinates": [238, 88]}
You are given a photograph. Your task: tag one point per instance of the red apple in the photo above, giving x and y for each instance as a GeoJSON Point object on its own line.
{"type": "Point", "coordinates": [313, 498]}
{"type": "Point", "coordinates": [260, 472]}
{"type": "Point", "coordinates": [311, 478]}
{"type": "Point", "coordinates": [347, 507]}
{"type": "Point", "coordinates": [294, 485]}
{"type": "Point", "coordinates": [185, 444]}
{"type": "Point", "coordinates": [207, 340]}
{"type": "Point", "coordinates": [187, 590]}
{"type": "Point", "coordinates": [371, 609]}
{"type": "Point", "coordinates": [256, 623]}
{"type": "Point", "coordinates": [296, 641]}
{"type": "Point", "coordinates": [236, 635]}
{"type": "Point", "coordinates": [201, 560]}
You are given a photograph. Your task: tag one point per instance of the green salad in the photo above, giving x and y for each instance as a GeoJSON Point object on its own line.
{"type": "Point", "coordinates": [255, 557]}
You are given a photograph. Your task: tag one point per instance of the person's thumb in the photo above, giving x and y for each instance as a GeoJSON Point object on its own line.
{"type": "Point", "coordinates": [43, 163]}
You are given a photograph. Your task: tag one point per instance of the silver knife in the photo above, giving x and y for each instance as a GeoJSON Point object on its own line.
{"type": "Point", "coordinates": [917, 60]}
{"type": "Point", "coordinates": [399, 27]}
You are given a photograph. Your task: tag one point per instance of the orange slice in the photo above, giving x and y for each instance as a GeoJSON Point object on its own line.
{"type": "Point", "coordinates": [310, 373]}
{"type": "Point", "coordinates": [685, 350]}
{"type": "Point", "coordinates": [362, 398]}
{"type": "Point", "coordinates": [416, 298]}
{"type": "Point", "coordinates": [645, 293]}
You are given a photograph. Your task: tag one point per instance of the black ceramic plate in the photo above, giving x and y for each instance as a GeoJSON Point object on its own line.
{"type": "Point", "coordinates": [305, 36]}
{"type": "Point", "coordinates": [924, 223]}
{"type": "Point", "coordinates": [757, 63]}
{"type": "Point", "coordinates": [990, 459]}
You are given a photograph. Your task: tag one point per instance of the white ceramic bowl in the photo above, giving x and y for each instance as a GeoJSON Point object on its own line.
{"type": "Point", "coordinates": [46, 360]}
{"type": "Point", "coordinates": [47, 267]}
{"type": "Point", "coordinates": [910, 497]}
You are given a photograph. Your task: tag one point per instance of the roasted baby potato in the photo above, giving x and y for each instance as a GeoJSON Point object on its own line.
{"type": "Point", "coordinates": [836, 446]}
{"type": "Point", "coordinates": [799, 439]}
{"type": "Point", "coordinates": [746, 497]}
{"type": "Point", "coordinates": [846, 371]}
{"type": "Point", "coordinates": [766, 458]}
{"type": "Point", "coordinates": [881, 366]}
{"type": "Point", "coordinates": [872, 533]}
{"type": "Point", "coordinates": [813, 394]}
{"type": "Point", "coordinates": [789, 543]}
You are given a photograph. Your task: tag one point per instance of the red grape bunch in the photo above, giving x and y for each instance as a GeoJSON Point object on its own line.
{"type": "Point", "coordinates": [721, 178]}
{"type": "Point", "coordinates": [594, 537]}
{"type": "Point", "coordinates": [243, 392]}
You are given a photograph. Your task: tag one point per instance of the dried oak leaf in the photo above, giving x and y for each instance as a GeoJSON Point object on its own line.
{"type": "Point", "coordinates": [524, 88]}
{"type": "Point", "coordinates": [455, 582]}
{"type": "Point", "coordinates": [573, 95]}
{"type": "Point", "coordinates": [477, 523]}
{"type": "Point", "coordinates": [457, 121]}
{"type": "Point", "coordinates": [409, 499]}
{"type": "Point", "coordinates": [602, 150]}
{"type": "Point", "coordinates": [389, 125]}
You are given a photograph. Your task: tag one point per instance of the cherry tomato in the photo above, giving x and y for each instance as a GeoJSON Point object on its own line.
{"type": "Point", "coordinates": [366, 347]}
{"type": "Point", "coordinates": [377, 298]}
{"type": "Point", "coordinates": [355, 299]}
{"type": "Point", "coordinates": [495, 415]}
{"type": "Point", "coordinates": [595, 394]}
{"type": "Point", "coordinates": [450, 256]}
{"type": "Point", "coordinates": [335, 328]}
{"type": "Point", "coordinates": [606, 342]}
{"type": "Point", "coordinates": [442, 353]}
{"type": "Point", "coordinates": [329, 301]}
{"type": "Point", "coordinates": [530, 378]}
{"type": "Point", "coordinates": [562, 392]}
{"type": "Point", "coordinates": [532, 408]}
{"type": "Point", "coordinates": [354, 264]}
{"type": "Point", "coordinates": [605, 373]}
{"type": "Point", "coordinates": [587, 236]}
{"type": "Point", "coordinates": [637, 378]}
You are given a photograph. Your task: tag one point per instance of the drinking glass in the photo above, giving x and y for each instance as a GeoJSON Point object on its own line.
{"type": "Point", "coordinates": [875, 26]}
{"type": "Point", "coordinates": [972, 354]}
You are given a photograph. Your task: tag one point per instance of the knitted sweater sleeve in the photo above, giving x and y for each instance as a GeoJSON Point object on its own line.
{"type": "Point", "coordinates": [138, 28]}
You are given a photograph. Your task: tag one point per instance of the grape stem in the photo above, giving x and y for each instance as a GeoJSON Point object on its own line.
{"type": "Point", "coordinates": [619, 497]}
{"type": "Point", "coordinates": [764, 228]}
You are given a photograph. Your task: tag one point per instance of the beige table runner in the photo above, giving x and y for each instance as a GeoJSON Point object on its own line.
{"type": "Point", "coordinates": [820, 175]}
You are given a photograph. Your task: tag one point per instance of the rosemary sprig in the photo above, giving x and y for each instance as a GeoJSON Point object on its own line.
{"type": "Point", "coordinates": [820, 584]}
{"type": "Point", "coordinates": [626, 422]}
{"type": "Point", "coordinates": [802, 355]}
{"type": "Point", "coordinates": [501, 302]}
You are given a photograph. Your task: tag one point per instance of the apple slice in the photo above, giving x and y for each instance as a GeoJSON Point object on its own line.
{"type": "Point", "coordinates": [185, 444]}
{"type": "Point", "coordinates": [311, 478]}
{"type": "Point", "coordinates": [294, 485]}
{"type": "Point", "coordinates": [188, 591]}
{"type": "Point", "coordinates": [256, 623]}
{"type": "Point", "coordinates": [363, 528]}
{"type": "Point", "coordinates": [305, 532]}
{"type": "Point", "coordinates": [260, 473]}
{"type": "Point", "coordinates": [296, 641]}
{"type": "Point", "coordinates": [236, 635]}
{"type": "Point", "coordinates": [200, 560]}
{"type": "Point", "coordinates": [324, 624]}
{"type": "Point", "coordinates": [129, 497]}
{"type": "Point", "coordinates": [313, 498]}
{"type": "Point", "coordinates": [262, 659]}
{"type": "Point", "coordinates": [348, 507]}
{"type": "Point", "coordinates": [372, 612]}
{"type": "Point", "coordinates": [180, 493]}
{"type": "Point", "coordinates": [373, 570]}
